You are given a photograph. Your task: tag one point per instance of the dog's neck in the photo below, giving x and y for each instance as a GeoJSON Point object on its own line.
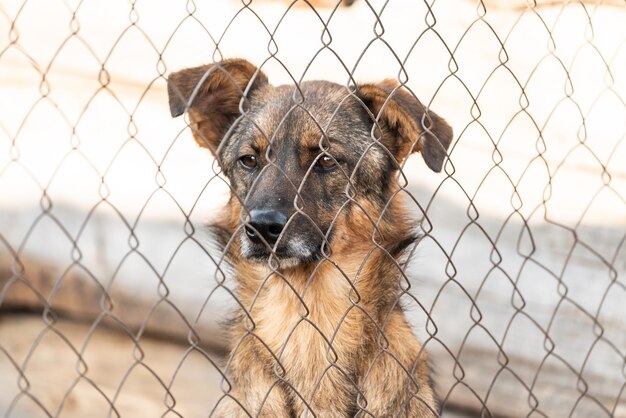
{"type": "Point", "coordinates": [366, 278]}
{"type": "Point", "coordinates": [364, 275]}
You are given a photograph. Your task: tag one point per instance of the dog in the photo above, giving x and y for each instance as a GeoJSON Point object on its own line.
{"type": "Point", "coordinates": [315, 231]}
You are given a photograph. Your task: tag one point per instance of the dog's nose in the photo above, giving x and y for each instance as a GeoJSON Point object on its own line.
{"type": "Point", "coordinates": [268, 223]}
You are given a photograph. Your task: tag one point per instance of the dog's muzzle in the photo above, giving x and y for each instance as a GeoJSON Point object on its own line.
{"type": "Point", "coordinates": [266, 233]}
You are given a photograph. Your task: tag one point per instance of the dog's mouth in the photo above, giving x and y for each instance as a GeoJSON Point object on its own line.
{"type": "Point", "coordinates": [291, 252]}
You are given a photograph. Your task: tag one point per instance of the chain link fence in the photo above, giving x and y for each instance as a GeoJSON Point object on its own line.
{"type": "Point", "coordinates": [113, 300]}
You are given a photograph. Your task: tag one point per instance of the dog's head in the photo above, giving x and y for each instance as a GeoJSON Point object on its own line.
{"type": "Point", "coordinates": [299, 158]}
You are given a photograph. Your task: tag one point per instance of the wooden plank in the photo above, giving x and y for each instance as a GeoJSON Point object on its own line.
{"type": "Point", "coordinates": [75, 371]}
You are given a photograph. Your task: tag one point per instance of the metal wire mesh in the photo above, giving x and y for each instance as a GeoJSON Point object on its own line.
{"type": "Point", "coordinates": [516, 289]}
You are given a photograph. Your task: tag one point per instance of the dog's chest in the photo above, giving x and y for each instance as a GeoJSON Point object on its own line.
{"type": "Point", "coordinates": [310, 331]}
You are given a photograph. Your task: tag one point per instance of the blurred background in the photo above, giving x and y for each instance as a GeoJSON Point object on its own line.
{"type": "Point", "coordinates": [111, 299]}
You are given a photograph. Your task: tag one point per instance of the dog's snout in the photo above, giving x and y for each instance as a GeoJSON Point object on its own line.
{"type": "Point", "coordinates": [267, 223]}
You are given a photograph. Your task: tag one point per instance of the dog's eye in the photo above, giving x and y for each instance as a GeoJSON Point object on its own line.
{"type": "Point", "coordinates": [249, 162]}
{"type": "Point", "coordinates": [326, 163]}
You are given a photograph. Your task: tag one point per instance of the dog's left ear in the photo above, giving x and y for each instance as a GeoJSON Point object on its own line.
{"type": "Point", "coordinates": [412, 126]}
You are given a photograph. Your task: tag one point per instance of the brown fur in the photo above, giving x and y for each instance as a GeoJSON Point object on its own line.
{"type": "Point", "coordinates": [324, 335]}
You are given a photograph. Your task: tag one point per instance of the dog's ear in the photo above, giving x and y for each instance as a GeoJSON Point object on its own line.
{"type": "Point", "coordinates": [411, 126]}
{"type": "Point", "coordinates": [211, 94]}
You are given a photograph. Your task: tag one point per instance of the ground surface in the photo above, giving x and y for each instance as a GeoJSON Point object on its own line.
{"type": "Point", "coordinates": [114, 366]}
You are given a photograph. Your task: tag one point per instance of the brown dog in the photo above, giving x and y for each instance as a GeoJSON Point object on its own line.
{"type": "Point", "coordinates": [314, 230]}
